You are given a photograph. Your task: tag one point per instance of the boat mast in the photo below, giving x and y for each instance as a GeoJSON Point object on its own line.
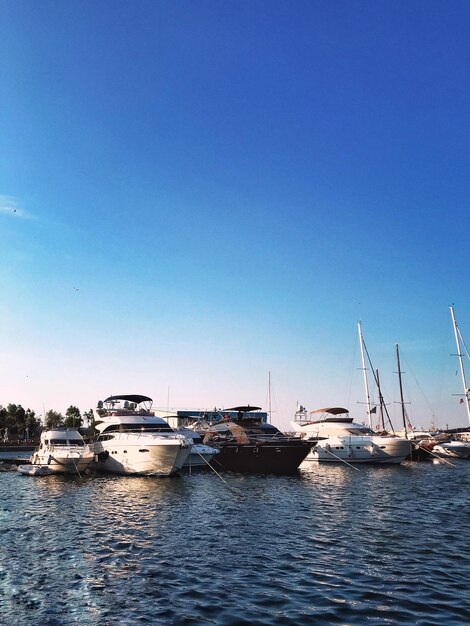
{"type": "Point", "coordinates": [462, 370]}
{"type": "Point", "coordinates": [269, 396]}
{"type": "Point", "coordinates": [403, 413]}
{"type": "Point", "coordinates": [381, 401]}
{"type": "Point", "coordinates": [366, 385]}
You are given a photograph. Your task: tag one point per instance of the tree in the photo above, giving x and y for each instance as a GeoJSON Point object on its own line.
{"type": "Point", "coordinates": [89, 417]}
{"type": "Point", "coordinates": [53, 420]}
{"type": "Point", "coordinates": [15, 421]}
{"type": "Point", "coordinates": [73, 417]}
{"type": "Point", "coordinates": [3, 417]}
{"type": "Point", "coordinates": [33, 424]}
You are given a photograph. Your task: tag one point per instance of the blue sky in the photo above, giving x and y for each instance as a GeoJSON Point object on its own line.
{"type": "Point", "coordinates": [194, 194]}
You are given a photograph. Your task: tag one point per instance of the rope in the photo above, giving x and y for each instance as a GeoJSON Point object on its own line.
{"type": "Point", "coordinates": [439, 458]}
{"type": "Point", "coordinates": [340, 459]}
{"type": "Point", "coordinates": [212, 468]}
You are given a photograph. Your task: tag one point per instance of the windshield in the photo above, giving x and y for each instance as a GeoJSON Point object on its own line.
{"type": "Point", "coordinates": [67, 442]}
{"type": "Point", "coordinates": [360, 431]}
{"type": "Point", "coordinates": [139, 428]}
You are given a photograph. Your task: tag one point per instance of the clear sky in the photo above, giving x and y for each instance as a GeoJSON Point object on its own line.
{"type": "Point", "coordinates": [196, 193]}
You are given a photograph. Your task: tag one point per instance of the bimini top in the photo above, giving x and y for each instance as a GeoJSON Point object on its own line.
{"type": "Point", "coordinates": [336, 410]}
{"type": "Point", "coordinates": [130, 398]}
{"type": "Point", "coordinates": [244, 409]}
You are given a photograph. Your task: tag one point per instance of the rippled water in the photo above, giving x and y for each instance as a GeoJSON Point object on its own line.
{"type": "Point", "coordinates": [385, 545]}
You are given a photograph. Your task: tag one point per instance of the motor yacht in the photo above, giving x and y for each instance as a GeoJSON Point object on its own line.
{"type": "Point", "coordinates": [60, 451]}
{"type": "Point", "coordinates": [248, 444]}
{"type": "Point", "coordinates": [132, 440]}
{"type": "Point", "coordinates": [341, 439]}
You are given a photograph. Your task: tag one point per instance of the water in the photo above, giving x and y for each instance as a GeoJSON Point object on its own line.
{"type": "Point", "coordinates": [384, 545]}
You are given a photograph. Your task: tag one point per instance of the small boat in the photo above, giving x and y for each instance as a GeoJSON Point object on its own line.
{"type": "Point", "coordinates": [455, 449]}
{"type": "Point", "coordinates": [247, 444]}
{"type": "Point", "coordinates": [34, 470]}
{"type": "Point", "coordinates": [429, 445]}
{"type": "Point", "coordinates": [132, 440]}
{"type": "Point", "coordinates": [341, 439]}
{"type": "Point", "coordinates": [201, 454]}
{"type": "Point", "coordinates": [60, 451]}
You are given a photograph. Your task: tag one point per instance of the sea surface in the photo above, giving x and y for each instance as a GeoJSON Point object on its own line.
{"type": "Point", "coordinates": [331, 545]}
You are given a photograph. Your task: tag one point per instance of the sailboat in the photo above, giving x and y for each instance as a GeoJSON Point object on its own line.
{"type": "Point", "coordinates": [466, 391]}
{"type": "Point", "coordinates": [439, 444]}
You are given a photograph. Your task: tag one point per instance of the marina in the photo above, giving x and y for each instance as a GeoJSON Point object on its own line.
{"type": "Point", "coordinates": [231, 390]}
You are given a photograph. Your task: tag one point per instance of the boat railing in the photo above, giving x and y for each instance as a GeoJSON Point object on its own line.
{"type": "Point", "coordinates": [138, 434]}
{"type": "Point", "coordinates": [69, 447]}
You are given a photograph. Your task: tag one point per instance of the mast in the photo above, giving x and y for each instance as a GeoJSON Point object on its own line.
{"type": "Point", "coordinates": [269, 396]}
{"type": "Point", "coordinates": [402, 402]}
{"type": "Point", "coordinates": [462, 370]}
{"type": "Point", "coordinates": [381, 401]}
{"type": "Point", "coordinates": [366, 385]}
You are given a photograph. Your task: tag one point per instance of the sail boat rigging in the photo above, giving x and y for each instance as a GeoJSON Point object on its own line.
{"type": "Point", "coordinates": [458, 336]}
{"type": "Point", "coordinates": [402, 402]}
{"type": "Point", "coordinates": [383, 406]}
{"type": "Point", "coordinates": [364, 370]}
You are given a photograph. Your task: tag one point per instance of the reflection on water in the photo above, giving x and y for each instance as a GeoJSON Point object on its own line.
{"type": "Point", "coordinates": [383, 545]}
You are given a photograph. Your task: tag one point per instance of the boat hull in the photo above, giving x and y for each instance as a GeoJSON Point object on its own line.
{"type": "Point", "coordinates": [34, 470]}
{"type": "Point", "coordinates": [200, 456]}
{"type": "Point", "coordinates": [58, 462]}
{"type": "Point", "coordinates": [144, 457]}
{"type": "Point", "coordinates": [375, 450]}
{"type": "Point", "coordinates": [454, 449]}
{"type": "Point", "coordinates": [267, 457]}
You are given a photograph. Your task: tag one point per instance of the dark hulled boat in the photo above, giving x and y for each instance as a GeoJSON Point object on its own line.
{"type": "Point", "coordinates": [249, 445]}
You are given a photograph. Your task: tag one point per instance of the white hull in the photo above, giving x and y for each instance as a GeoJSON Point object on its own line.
{"type": "Point", "coordinates": [201, 455]}
{"type": "Point", "coordinates": [374, 450]}
{"type": "Point", "coordinates": [62, 461]}
{"type": "Point", "coordinates": [34, 470]}
{"type": "Point", "coordinates": [142, 454]}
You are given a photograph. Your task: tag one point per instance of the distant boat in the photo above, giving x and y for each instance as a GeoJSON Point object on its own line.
{"type": "Point", "coordinates": [341, 439]}
{"type": "Point", "coordinates": [132, 440]}
{"type": "Point", "coordinates": [60, 451]}
{"type": "Point", "coordinates": [248, 444]}
{"type": "Point", "coordinates": [455, 449]}
{"type": "Point", "coordinates": [429, 445]}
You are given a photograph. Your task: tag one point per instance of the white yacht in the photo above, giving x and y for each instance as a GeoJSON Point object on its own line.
{"type": "Point", "coordinates": [60, 451]}
{"type": "Point", "coordinates": [132, 440]}
{"type": "Point", "coordinates": [341, 439]}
